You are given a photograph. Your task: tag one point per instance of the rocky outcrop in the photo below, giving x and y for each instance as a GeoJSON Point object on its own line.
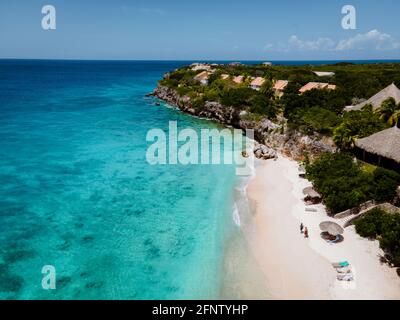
{"type": "Point", "coordinates": [263, 152]}
{"type": "Point", "coordinates": [274, 136]}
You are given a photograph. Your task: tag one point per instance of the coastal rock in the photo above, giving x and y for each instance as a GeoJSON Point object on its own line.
{"type": "Point", "coordinates": [275, 136]}
{"type": "Point", "coordinates": [263, 152]}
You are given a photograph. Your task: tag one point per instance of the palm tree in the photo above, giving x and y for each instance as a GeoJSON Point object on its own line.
{"type": "Point", "coordinates": [396, 116]}
{"type": "Point", "coordinates": [389, 111]}
{"type": "Point", "coordinates": [266, 89]}
{"type": "Point", "coordinates": [344, 138]}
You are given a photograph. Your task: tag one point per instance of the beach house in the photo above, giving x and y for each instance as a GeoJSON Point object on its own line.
{"type": "Point", "coordinates": [200, 66]}
{"type": "Point", "coordinates": [279, 87]}
{"type": "Point", "coordinates": [375, 101]}
{"type": "Point", "coordinates": [238, 79]}
{"type": "Point", "coordinates": [317, 85]}
{"type": "Point", "coordinates": [202, 77]}
{"type": "Point", "coordinates": [382, 148]}
{"type": "Point", "coordinates": [257, 83]}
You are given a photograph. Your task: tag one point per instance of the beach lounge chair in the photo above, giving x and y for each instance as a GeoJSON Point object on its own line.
{"type": "Point", "coordinates": [342, 264]}
{"type": "Point", "coordinates": [345, 277]}
{"type": "Point", "coordinates": [343, 270]}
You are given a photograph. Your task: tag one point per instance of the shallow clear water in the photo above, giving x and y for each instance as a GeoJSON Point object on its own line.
{"type": "Point", "coordinates": [76, 191]}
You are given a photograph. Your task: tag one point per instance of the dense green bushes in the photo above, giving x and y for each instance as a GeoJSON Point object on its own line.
{"type": "Point", "coordinates": [356, 125]}
{"type": "Point", "coordinates": [313, 111]}
{"type": "Point", "coordinates": [385, 227]}
{"type": "Point", "coordinates": [370, 226]}
{"type": "Point", "coordinates": [237, 98]}
{"type": "Point", "coordinates": [246, 98]}
{"type": "Point", "coordinates": [344, 185]}
{"type": "Point", "coordinates": [340, 181]}
{"type": "Point", "coordinates": [314, 119]}
{"type": "Point", "coordinates": [385, 184]}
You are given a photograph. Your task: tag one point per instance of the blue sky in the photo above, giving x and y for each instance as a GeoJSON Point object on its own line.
{"type": "Point", "coordinates": [187, 30]}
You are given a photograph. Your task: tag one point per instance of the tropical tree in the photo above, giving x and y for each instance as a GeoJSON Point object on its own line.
{"type": "Point", "coordinates": [389, 111]}
{"type": "Point", "coordinates": [266, 89]}
{"type": "Point", "coordinates": [355, 125]}
{"type": "Point", "coordinates": [344, 137]}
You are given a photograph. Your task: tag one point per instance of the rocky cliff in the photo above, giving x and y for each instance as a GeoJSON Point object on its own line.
{"type": "Point", "coordinates": [274, 135]}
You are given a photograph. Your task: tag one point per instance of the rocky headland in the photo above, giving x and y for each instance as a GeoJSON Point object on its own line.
{"type": "Point", "coordinates": [273, 136]}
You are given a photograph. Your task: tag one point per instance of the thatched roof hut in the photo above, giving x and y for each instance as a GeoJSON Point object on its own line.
{"type": "Point", "coordinates": [384, 145]}
{"type": "Point", "coordinates": [376, 101]}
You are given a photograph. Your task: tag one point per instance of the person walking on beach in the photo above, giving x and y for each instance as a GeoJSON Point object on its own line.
{"type": "Point", "coordinates": [301, 227]}
{"type": "Point", "coordinates": [306, 233]}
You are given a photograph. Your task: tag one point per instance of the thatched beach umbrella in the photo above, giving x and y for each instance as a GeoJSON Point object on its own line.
{"type": "Point", "coordinates": [331, 227]}
{"type": "Point", "coordinates": [311, 193]}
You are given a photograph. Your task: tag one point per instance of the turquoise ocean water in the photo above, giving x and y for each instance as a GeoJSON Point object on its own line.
{"type": "Point", "coordinates": [77, 193]}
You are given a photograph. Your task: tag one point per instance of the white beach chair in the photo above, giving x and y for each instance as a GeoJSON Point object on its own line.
{"type": "Point", "coordinates": [344, 270]}
{"type": "Point", "coordinates": [345, 277]}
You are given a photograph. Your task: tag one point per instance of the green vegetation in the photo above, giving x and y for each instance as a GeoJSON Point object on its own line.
{"type": "Point", "coordinates": [356, 125]}
{"type": "Point", "coordinates": [314, 119]}
{"type": "Point", "coordinates": [249, 99]}
{"type": "Point", "coordinates": [315, 111]}
{"type": "Point", "coordinates": [378, 224]}
{"type": "Point", "coordinates": [343, 183]}
{"type": "Point", "coordinates": [389, 111]}
{"type": "Point", "coordinates": [228, 93]}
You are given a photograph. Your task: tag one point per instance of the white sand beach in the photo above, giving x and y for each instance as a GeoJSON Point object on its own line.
{"type": "Point", "coordinates": [297, 268]}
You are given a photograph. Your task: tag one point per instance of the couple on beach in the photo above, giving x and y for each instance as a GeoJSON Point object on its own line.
{"type": "Point", "coordinates": [304, 230]}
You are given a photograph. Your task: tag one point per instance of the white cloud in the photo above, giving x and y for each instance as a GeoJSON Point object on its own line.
{"type": "Point", "coordinates": [373, 40]}
{"type": "Point", "coordinates": [319, 44]}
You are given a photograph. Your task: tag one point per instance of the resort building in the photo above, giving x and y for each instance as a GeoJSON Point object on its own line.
{"type": "Point", "coordinates": [279, 87]}
{"type": "Point", "coordinates": [225, 76]}
{"type": "Point", "coordinates": [267, 64]}
{"type": "Point", "coordinates": [382, 148]}
{"type": "Point", "coordinates": [200, 66]}
{"type": "Point", "coordinates": [317, 85]}
{"type": "Point", "coordinates": [202, 77]}
{"type": "Point", "coordinates": [238, 79]}
{"type": "Point", "coordinates": [257, 83]}
{"type": "Point", "coordinates": [376, 101]}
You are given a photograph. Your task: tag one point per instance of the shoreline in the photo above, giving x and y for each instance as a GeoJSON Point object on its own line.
{"type": "Point", "coordinates": [293, 267]}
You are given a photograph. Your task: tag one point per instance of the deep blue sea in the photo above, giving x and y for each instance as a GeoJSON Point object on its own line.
{"type": "Point", "coordinates": [77, 193]}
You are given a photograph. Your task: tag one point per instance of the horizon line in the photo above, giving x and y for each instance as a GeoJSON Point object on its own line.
{"type": "Point", "coordinates": [178, 60]}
